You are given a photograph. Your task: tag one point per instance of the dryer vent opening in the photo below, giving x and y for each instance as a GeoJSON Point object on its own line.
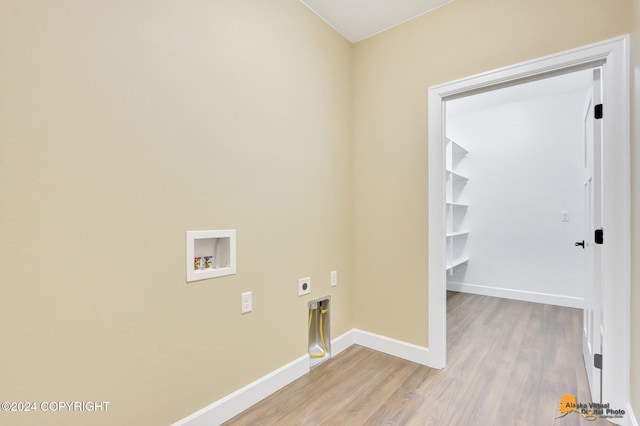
{"type": "Point", "coordinates": [319, 330]}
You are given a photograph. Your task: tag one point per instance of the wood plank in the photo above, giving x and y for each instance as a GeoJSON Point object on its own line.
{"type": "Point", "coordinates": [509, 362]}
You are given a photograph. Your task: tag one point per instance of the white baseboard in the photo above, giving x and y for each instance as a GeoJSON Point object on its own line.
{"type": "Point", "coordinates": [526, 296]}
{"type": "Point", "coordinates": [235, 403]}
{"type": "Point", "coordinates": [397, 348]}
{"type": "Point", "coordinates": [343, 342]}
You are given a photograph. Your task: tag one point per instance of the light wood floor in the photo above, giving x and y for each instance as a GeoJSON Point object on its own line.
{"type": "Point", "coordinates": [508, 363]}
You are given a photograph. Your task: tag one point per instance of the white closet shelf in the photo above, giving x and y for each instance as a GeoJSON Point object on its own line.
{"type": "Point", "coordinates": [457, 262]}
{"type": "Point", "coordinates": [457, 175]}
{"type": "Point", "coordinates": [459, 148]}
{"type": "Point", "coordinates": [457, 234]}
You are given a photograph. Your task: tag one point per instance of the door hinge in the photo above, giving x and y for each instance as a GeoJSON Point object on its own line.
{"type": "Point", "coordinates": [597, 111]}
{"type": "Point", "coordinates": [597, 361]}
{"type": "Point", "coordinates": [598, 236]}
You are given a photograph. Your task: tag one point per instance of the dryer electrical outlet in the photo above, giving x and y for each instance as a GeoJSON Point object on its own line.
{"type": "Point", "coordinates": [304, 286]}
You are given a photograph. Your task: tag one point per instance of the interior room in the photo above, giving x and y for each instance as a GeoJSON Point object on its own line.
{"type": "Point", "coordinates": [517, 160]}
{"type": "Point", "coordinates": [206, 203]}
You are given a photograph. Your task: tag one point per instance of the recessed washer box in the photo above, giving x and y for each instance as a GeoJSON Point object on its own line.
{"type": "Point", "coordinates": [210, 254]}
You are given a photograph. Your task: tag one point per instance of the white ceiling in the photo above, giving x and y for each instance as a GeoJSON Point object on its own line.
{"type": "Point", "coordinates": [359, 19]}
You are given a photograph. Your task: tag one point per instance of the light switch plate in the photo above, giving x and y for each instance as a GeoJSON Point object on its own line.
{"type": "Point", "coordinates": [247, 302]}
{"type": "Point", "coordinates": [334, 278]}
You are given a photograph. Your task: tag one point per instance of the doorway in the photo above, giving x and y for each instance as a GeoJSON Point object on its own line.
{"type": "Point", "coordinates": [514, 190]}
{"type": "Point", "coordinates": [612, 56]}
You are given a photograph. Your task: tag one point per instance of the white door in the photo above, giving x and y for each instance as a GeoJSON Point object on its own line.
{"type": "Point", "coordinates": [592, 323]}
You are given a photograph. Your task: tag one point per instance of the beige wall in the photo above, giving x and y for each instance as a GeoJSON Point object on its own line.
{"type": "Point", "coordinates": [635, 208]}
{"type": "Point", "coordinates": [392, 73]}
{"type": "Point", "coordinates": [119, 122]}
{"type": "Point", "coordinates": [124, 124]}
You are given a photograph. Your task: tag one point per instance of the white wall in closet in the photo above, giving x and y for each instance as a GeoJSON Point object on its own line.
{"type": "Point", "coordinates": [526, 171]}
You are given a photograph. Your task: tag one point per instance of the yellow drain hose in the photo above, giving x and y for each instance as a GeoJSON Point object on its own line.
{"type": "Point", "coordinates": [324, 345]}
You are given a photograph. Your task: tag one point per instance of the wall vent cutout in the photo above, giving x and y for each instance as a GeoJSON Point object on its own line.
{"type": "Point", "coordinates": [319, 323]}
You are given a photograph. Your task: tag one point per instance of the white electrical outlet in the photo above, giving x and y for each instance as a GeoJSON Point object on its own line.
{"type": "Point", "coordinates": [247, 302]}
{"type": "Point", "coordinates": [304, 286]}
{"type": "Point", "coordinates": [334, 278]}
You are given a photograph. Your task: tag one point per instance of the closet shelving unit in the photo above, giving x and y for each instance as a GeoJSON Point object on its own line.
{"type": "Point", "coordinates": [456, 209]}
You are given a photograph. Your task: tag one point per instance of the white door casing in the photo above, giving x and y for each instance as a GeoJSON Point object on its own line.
{"type": "Point", "coordinates": [613, 56]}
